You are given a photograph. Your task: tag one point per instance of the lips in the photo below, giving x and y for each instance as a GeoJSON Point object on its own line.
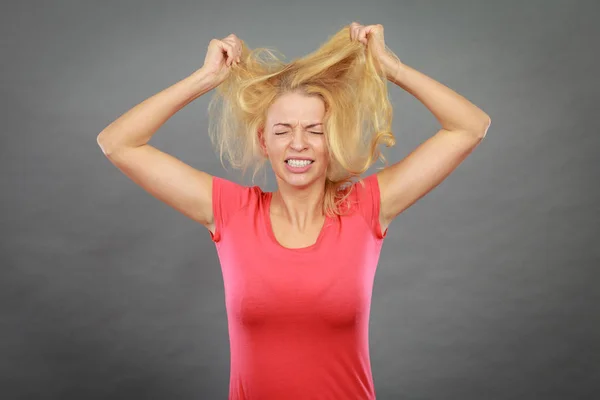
{"type": "Point", "coordinates": [299, 159]}
{"type": "Point", "coordinates": [299, 169]}
{"type": "Point", "coordinates": [311, 162]}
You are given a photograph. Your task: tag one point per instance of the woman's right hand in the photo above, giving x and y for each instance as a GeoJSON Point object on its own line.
{"type": "Point", "coordinates": [221, 56]}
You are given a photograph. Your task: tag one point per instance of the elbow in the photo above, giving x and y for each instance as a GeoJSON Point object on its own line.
{"type": "Point", "coordinates": [486, 125]}
{"type": "Point", "coordinates": [102, 141]}
{"type": "Point", "coordinates": [475, 127]}
{"type": "Point", "coordinates": [480, 130]}
{"type": "Point", "coordinates": [487, 121]}
{"type": "Point", "coordinates": [99, 141]}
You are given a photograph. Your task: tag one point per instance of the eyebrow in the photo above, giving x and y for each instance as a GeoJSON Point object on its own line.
{"type": "Point", "coordinates": [290, 125]}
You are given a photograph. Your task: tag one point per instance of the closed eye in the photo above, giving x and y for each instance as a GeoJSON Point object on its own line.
{"type": "Point", "coordinates": [281, 133]}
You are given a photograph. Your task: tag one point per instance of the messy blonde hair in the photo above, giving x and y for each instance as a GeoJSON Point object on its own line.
{"type": "Point", "coordinates": [345, 75]}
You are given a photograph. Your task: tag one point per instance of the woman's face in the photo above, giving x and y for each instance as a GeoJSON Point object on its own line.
{"type": "Point", "coordinates": [294, 140]}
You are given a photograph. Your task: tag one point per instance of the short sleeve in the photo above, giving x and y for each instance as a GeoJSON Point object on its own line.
{"type": "Point", "coordinates": [369, 203]}
{"type": "Point", "coordinates": [227, 199]}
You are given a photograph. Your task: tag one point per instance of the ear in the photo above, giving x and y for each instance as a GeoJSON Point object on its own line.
{"type": "Point", "coordinates": [261, 142]}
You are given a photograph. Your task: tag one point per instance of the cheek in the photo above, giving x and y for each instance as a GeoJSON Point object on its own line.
{"type": "Point", "coordinates": [319, 144]}
{"type": "Point", "coordinates": [277, 148]}
{"type": "Point", "coordinates": [323, 151]}
{"type": "Point", "coordinates": [276, 153]}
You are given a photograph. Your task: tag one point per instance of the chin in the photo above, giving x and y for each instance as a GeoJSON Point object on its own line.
{"type": "Point", "coordinates": [301, 180]}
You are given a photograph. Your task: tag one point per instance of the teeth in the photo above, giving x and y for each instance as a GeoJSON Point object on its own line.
{"type": "Point", "coordinates": [299, 163]}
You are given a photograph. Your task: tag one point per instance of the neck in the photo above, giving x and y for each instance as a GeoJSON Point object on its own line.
{"type": "Point", "coordinates": [300, 207]}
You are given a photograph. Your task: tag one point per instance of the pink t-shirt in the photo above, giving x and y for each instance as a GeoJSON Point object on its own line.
{"type": "Point", "coordinates": [298, 319]}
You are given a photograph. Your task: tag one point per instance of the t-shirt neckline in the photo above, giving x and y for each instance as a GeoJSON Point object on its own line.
{"type": "Point", "coordinates": [271, 233]}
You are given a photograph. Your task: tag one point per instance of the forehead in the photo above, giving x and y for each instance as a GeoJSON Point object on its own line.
{"type": "Point", "coordinates": [294, 107]}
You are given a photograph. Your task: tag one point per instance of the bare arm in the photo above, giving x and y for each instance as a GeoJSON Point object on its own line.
{"type": "Point", "coordinates": [463, 127]}
{"type": "Point", "coordinates": [125, 141]}
{"type": "Point", "coordinates": [136, 127]}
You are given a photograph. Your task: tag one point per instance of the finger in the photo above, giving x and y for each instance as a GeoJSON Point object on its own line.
{"type": "Point", "coordinates": [362, 35]}
{"type": "Point", "coordinates": [231, 39]}
{"type": "Point", "coordinates": [378, 30]}
{"type": "Point", "coordinates": [355, 32]}
{"type": "Point", "coordinates": [236, 45]}
{"type": "Point", "coordinates": [233, 55]}
{"type": "Point", "coordinates": [232, 44]}
{"type": "Point", "coordinates": [236, 51]}
{"type": "Point", "coordinates": [229, 50]}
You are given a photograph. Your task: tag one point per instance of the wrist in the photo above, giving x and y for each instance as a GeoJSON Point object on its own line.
{"type": "Point", "coordinates": [391, 67]}
{"type": "Point", "coordinates": [203, 80]}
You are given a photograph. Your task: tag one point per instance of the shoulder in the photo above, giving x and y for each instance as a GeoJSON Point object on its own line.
{"type": "Point", "coordinates": [233, 194]}
{"type": "Point", "coordinates": [362, 191]}
{"type": "Point", "coordinates": [365, 199]}
{"type": "Point", "coordinates": [229, 198]}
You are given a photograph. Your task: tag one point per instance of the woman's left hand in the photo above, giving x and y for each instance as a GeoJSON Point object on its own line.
{"type": "Point", "coordinates": [372, 36]}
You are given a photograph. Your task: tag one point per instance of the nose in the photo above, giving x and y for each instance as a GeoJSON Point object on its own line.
{"type": "Point", "coordinates": [299, 141]}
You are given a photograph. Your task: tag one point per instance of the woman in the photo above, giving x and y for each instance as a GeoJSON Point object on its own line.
{"type": "Point", "coordinates": [299, 263]}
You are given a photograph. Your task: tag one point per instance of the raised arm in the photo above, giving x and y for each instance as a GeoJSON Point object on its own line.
{"type": "Point", "coordinates": [125, 141]}
{"type": "Point", "coordinates": [464, 125]}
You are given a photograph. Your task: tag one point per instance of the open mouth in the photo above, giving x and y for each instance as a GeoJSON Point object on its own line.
{"type": "Point", "coordinates": [297, 166]}
{"type": "Point", "coordinates": [298, 163]}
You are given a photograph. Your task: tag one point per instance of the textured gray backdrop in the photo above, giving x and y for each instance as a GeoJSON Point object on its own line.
{"type": "Point", "coordinates": [487, 288]}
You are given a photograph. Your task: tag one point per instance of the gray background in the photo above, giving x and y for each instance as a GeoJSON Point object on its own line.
{"type": "Point", "coordinates": [487, 288]}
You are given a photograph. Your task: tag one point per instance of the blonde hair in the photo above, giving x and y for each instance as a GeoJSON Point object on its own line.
{"type": "Point", "coordinates": [345, 75]}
